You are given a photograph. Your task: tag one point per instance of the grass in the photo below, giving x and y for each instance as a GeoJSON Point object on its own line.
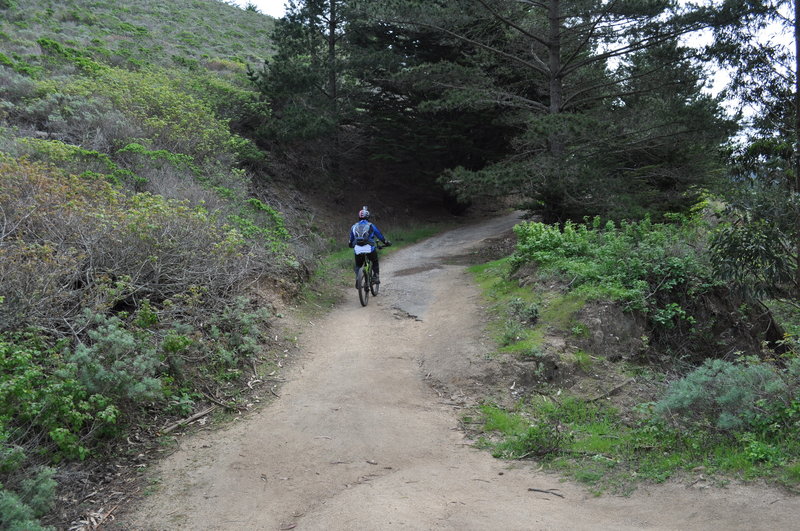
{"type": "Point", "coordinates": [592, 444]}
{"type": "Point", "coordinates": [522, 316]}
{"type": "Point", "coordinates": [511, 329]}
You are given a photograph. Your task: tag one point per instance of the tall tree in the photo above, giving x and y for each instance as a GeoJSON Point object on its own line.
{"type": "Point", "coordinates": [303, 79]}
{"type": "Point", "coordinates": [558, 68]}
{"type": "Point", "coordinates": [758, 245]}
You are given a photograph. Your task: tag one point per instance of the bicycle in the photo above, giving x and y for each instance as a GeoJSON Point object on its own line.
{"type": "Point", "coordinates": [365, 283]}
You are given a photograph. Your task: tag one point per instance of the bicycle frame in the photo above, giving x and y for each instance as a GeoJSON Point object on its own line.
{"type": "Point", "coordinates": [364, 281]}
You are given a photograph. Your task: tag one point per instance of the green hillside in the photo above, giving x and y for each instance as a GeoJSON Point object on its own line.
{"type": "Point", "coordinates": [131, 228]}
{"type": "Point", "coordinates": [137, 34]}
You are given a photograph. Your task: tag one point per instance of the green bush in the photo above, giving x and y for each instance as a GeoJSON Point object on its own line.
{"type": "Point", "coordinates": [118, 362]}
{"type": "Point", "coordinates": [20, 511]}
{"type": "Point", "coordinates": [175, 120]}
{"type": "Point", "coordinates": [730, 396]}
{"type": "Point", "coordinates": [238, 332]}
{"type": "Point", "coordinates": [654, 269]}
{"type": "Point", "coordinates": [40, 396]}
{"type": "Point", "coordinates": [526, 312]}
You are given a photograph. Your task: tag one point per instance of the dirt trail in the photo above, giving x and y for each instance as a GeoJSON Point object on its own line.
{"type": "Point", "coordinates": [360, 440]}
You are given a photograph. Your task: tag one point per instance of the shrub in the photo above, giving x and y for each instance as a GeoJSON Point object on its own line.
{"type": "Point", "coordinates": [38, 492]}
{"type": "Point", "coordinates": [82, 60]}
{"type": "Point", "coordinates": [238, 332]}
{"type": "Point", "coordinates": [654, 269]}
{"type": "Point", "coordinates": [118, 363]}
{"type": "Point", "coordinates": [173, 119]}
{"type": "Point", "coordinates": [259, 220]}
{"type": "Point", "coordinates": [634, 262]}
{"type": "Point", "coordinates": [15, 515]}
{"type": "Point", "coordinates": [755, 248]}
{"type": "Point", "coordinates": [14, 88]}
{"type": "Point", "coordinates": [41, 397]}
{"type": "Point", "coordinates": [730, 396]}
{"type": "Point", "coordinates": [527, 312]}
{"type": "Point", "coordinates": [20, 511]}
{"type": "Point", "coordinates": [73, 243]}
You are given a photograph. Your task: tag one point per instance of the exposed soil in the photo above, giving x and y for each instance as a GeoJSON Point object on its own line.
{"type": "Point", "coordinates": [365, 434]}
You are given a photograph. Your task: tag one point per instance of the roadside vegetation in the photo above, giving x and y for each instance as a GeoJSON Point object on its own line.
{"type": "Point", "coordinates": [131, 236]}
{"type": "Point", "coordinates": [691, 400]}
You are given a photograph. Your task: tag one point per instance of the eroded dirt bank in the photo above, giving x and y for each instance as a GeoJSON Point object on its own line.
{"type": "Point", "coordinates": [359, 439]}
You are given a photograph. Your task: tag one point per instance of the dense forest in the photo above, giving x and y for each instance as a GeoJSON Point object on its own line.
{"type": "Point", "coordinates": [159, 163]}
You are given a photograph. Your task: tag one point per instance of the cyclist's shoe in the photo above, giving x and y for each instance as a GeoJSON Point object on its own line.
{"type": "Point", "coordinates": [376, 279]}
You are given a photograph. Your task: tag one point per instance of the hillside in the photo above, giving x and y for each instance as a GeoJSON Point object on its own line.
{"type": "Point", "coordinates": [137, 215]}
{"type": "Point", "coordinates": [184, 33]}
{"type": "Point", "coordinates": [149, 234]}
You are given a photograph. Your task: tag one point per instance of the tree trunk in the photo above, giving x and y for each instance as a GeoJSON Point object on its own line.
{"type": "Point", "coordinates": [556, 88]}
{"type": "Point", "coordinates": [332, 22]}
{"type": "Point", "coordinates": [332, 84]}
{"type": "Point", "coordinates": [796, 96]}
{"type": "Point", "coordinates": [797, 134]}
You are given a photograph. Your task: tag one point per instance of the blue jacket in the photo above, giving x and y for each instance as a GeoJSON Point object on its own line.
{"type": "Point", "coordinates": [374, 233]}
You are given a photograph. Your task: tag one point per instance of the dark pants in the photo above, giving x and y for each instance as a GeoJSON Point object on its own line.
{"type": "Point", "coordinates": [373, 257]}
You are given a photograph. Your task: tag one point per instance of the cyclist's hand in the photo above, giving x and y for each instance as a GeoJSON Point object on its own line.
{"type": "Point", "coordinates": [351, 245]}
{"type": "Point", "coordinates": [387, 243]}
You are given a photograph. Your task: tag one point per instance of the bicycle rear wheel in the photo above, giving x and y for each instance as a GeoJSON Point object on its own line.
{"type": "Point", "coordinates": [362, 285]}
{"type": "Point", "coordinates": [374, 288]}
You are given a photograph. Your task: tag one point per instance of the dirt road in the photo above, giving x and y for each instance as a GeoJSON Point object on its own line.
{"type": "Point", "coordinates": [360, 440]}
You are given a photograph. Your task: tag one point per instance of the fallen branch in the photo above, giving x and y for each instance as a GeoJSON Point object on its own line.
{"type": "Point", "coordinates": [612, 391]}
{"type": "Point", "coordinates": [218, 402]}
{"type": "Point", "coordinates": [186, 421]}
{"type": "Point", "coordinates": [105, 517]}
{"type": "Point", "coordinates": [548, 491]}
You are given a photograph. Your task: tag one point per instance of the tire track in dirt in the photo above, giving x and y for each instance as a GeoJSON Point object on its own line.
{"type": "Point", "coordinates": [360, 440]}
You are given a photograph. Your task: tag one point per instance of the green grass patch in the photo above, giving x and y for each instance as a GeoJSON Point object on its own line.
{"type": "Point", "coordinates": [520, 315]}
{"type": "Point", "coordinates": [593, 444]}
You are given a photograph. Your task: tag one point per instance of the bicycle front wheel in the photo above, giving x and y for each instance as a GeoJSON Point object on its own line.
{"type": "Point", "coordinates": [362, 285]}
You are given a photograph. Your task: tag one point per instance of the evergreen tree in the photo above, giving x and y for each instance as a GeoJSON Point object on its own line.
{"type": "Point", "coordinates": [758, 246]}
{"type": "Point", "coordinates": [303, 80]}
{"type": "Point", "coordinates": [559, 73]}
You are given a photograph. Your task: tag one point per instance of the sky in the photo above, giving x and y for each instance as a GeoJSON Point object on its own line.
{"type": "Point", "coordinates": [268, 7]}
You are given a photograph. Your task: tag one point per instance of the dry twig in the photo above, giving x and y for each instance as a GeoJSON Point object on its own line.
{"type": "Point", "coordinates": [186, 421]}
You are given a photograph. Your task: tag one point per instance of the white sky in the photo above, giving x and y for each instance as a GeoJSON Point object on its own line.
{"type": "Point", "coordinates": [268, 7]}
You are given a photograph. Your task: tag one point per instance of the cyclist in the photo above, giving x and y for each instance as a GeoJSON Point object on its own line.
{"type": "Point", "coordinates": [362, 240]}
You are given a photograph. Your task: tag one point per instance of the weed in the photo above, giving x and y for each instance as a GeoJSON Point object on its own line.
{"type": "Point", "coordinates": [792, 474]}
{"type": "Point", "coordinates": [583, 360]}
{"type": "Point", "coordinates": [651, 268]}
{"type": "Point", "coordinates": [526, 312]}
{"type": "Point", "coordinates": [580, 331]}
{"type": "Point", "coordinates": [511, 333]}
{"type": "Point", "coordinates": [593, 444]}
{"type": "Point", "coordinates": [538, 440]}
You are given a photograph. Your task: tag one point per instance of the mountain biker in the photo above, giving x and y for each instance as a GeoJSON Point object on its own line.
{"type": "Point", "coordinates": [362, 240]}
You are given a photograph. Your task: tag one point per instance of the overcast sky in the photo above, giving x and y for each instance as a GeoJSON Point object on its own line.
{"type": "Point", "coordinates": [268, 7]}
